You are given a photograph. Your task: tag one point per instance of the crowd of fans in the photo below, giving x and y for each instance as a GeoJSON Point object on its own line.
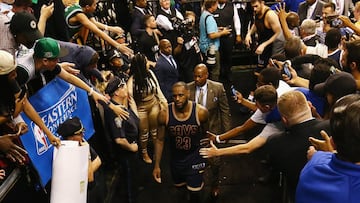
{"type": "Point", "coordinates": [130, 60]}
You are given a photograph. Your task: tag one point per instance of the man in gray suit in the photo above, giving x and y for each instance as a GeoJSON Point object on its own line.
{"type": "Point", "coordinates": [310, 9]}
{"type": "Point", "coordinates": [212, 95]}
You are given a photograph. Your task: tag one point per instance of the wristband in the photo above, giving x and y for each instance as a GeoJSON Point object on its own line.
{"type": "Point", "coordinates": [217, 138]}
{"type": "Point", "coordinates": [91, 91]}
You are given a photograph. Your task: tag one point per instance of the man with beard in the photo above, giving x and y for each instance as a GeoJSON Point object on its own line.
{"type": "Point", "coordinates": [185, 123]}
{"type": "Point", "coordinates": [267, 26]}
{"type": "Point", "coordinates": [350, 60]}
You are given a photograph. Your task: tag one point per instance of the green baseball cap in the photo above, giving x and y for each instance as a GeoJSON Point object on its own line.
{"type": "Point", "coordinates": [48, 48]}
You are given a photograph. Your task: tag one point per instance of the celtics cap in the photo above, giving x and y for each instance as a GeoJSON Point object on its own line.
{"type": "Point", "coordinates": [25, 23]}
{"type": "Point", "coordinates": [48, 48]}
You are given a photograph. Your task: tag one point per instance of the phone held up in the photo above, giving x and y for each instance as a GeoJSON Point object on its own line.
{"type": "Point", "coordinates": [233, 90]}
{"type": "Point", "coordinates": [286, 69]}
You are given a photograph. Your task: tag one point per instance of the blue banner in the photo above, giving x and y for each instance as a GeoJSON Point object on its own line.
{"type": "Point", "coordinates": [55, 103]}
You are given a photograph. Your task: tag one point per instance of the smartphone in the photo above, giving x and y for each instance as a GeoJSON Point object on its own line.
{"type": "Point", "coordinates": [286, 70]}
{"type": "Point", "coordinates": [22, 93]}
{"type": "Point", "coordinates": [233, 90]}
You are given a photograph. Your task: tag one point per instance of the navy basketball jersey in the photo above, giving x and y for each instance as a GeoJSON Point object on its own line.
{"type": "Point", "coordinates": [184, 134]}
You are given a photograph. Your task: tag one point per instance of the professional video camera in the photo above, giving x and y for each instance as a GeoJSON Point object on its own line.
{"type": "Point", "coordinates": [181, 25]}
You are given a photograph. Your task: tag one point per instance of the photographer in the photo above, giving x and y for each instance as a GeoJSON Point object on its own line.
{"type": "Point", "coordinates": [226, 15]}
{"type": "Point", "coordinates": [210, 38]}
{"type": "Point", "coordinates": [332, 20]}
{"type": "Point", "coordinates": [168, 20]}
{"type": "Point", "coordinates": [187, 52]}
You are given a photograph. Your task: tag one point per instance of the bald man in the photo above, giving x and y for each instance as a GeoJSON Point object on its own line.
{"type": "Point", "coordinates": [287, 152]}
{"type": "Point", "coordinates": [215, 100]}
{"type": "Point", "coordinates": [166, 69]}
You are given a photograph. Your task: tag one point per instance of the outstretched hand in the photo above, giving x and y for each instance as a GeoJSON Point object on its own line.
{"type": "Point", "coordinates": [12, 151]}
{"type": "Point", "coordinates": [323, 145]}
{"type": "Point", "coordinates": [281, 12]}
{"type": "Point", "coordinates": [209, 152]}
{"type": "Point", "coordinates": [211, 136]}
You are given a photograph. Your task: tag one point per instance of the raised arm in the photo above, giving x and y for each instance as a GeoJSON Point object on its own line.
{"type": "Point", "coordinates": [282, 18]}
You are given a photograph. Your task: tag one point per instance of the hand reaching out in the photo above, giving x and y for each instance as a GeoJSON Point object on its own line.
{"type": "Point", "coordinates": [12, 151]}
{"type": "Point", "coordinates": [323, 145]}
{"type": "Point", "coordinates": [209, 152]}
{"type": "Point", "coordinates": [211, 136]}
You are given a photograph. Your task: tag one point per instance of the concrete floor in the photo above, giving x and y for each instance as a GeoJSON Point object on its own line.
{"type": "Point", "coordinates": [239, 175]}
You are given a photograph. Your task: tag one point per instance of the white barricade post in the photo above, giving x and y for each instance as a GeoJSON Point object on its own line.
{"type": "Point", "coordinates": [70, 173]}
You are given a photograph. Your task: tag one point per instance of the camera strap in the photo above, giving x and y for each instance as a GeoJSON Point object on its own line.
{"type": "Point", "coordinates": [206, 25]}
{"type": "Point", "coordinates": [206, 30]}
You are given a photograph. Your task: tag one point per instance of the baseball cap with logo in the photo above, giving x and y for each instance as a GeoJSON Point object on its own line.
{"type": "Point", "coordinates": [7, 62]}
{"type": "Point", "coordinates": [25, 23]}
{"type": "Point", "coordinates": [48, 48]}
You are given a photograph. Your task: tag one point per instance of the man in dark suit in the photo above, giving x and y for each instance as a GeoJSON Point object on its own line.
{"type": "Point", "coordinates": [287, 151]}
{"type": "Point", "coordinates": [166, 69]}
{"type": "Point", "coordinates": [138, 24]}
{"type": "Point", "coordinates": [310, 9]}
{"type": "Point", "coordinates": [212, 95]}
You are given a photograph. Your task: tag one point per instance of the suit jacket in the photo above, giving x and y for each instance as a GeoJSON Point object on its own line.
{"type": "Point", "coordinates": [137, 25]}
{"type": "Point", "coordinates": [167, 76]}
{"type": "Point", "coordinates": [303, 10]}
{"type": "Point", "coordinates": [217, 105]}
{"type": "Point", "coordinates": [287, 152]}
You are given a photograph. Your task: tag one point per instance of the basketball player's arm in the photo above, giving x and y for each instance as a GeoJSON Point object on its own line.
{"type": "Point", "coordinates": [203, 116]}
{"type": "Point", "coordinates": [274, 24]}
{"type": "Point", "coordinates": [248, 40]}
{"type": "Point", "coordinates": [159, 144]}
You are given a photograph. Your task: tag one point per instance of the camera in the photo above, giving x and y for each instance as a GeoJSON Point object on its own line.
{"type": "Point", "coordinates": [334, 21]}
{"type": "Point", "coordinates": [210, 55]}
{"type": "Point", "coordinates": [181, 25]}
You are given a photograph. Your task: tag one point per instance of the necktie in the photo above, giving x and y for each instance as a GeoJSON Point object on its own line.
{"type": "Point", "coordinates": [200, 97]}
{"type": "Point", "coordinates": [172, 61]}
{"type": "Point", "coordinates": [147, 11]}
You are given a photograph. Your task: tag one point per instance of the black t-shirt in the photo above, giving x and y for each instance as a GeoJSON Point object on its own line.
{"type": "Point", "coordinates": [148, 46]}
